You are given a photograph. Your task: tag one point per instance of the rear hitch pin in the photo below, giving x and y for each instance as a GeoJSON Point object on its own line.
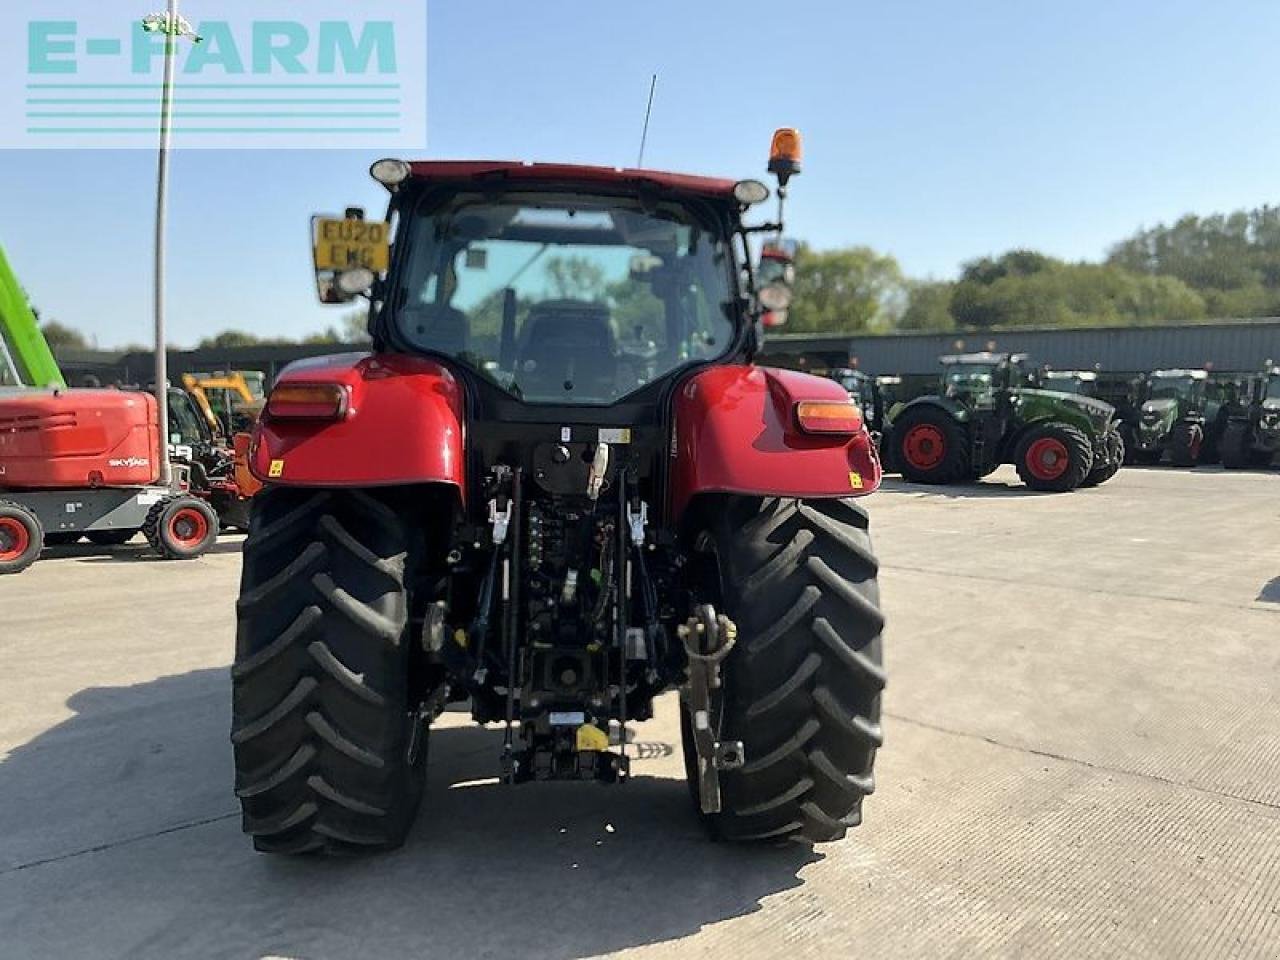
{"type": "Point", "coordinates": [570, 590]}
{"type": "Point", "coordinates": [501, 520]}
{"type": "Point", "coordinates": [599, 467]}
{"type": "Point", "coordinates": [708, 640]}
{"type": "Point", "coordinates": [637, 521]}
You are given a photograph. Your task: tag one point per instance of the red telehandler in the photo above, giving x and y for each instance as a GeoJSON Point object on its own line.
{"type": "Point", "coordinates": [557, 487]}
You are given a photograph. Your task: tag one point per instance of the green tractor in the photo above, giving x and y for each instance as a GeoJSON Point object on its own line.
{"type": "Point", "coordinates": [1252, 436]}
{"type": "Point", "coordinates": [989, 412]}
{"type": "Point", "coordinates": [864, 390]}
{"type": "Point", "coordinates": [1184, 413]}
{"type": "Point", "coordinates": [1123, 391]}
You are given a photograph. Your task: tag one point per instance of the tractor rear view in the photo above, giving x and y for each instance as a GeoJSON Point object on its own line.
{"type": "Point", "coordinates": [1183, 414]}
{"type": "Point", "coordinates": [556, 488]}
{"type": "Point", "coordinates": [1252, 436]}
{"type": "Point", "coordinates": [988, 413]}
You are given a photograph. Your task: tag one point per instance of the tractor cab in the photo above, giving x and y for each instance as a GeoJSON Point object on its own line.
{"type": "Point", "coordinates": [188, 430]}
{"type": "Point", "coordinates": [979, 379]}
{"type": "Point", "coordinates": [1082, 383]}
{"type": "Point", "coordinates": [1184, 387]}
{"type": "Point", "coordinates": [1270, 385]}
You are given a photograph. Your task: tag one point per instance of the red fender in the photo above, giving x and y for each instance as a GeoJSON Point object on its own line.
{"type": "Point", "coordinates": [403, 424]}
{"type": "Point", "coordinates": [736, 432]}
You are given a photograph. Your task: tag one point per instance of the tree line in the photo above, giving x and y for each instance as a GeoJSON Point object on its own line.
{"type": "Point", "coordinates": [1198, 268]}
{"type": "Point", "coordinates": [351, 329]}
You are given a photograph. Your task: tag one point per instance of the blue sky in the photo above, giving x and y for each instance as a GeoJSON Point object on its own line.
{"type": "Point", "coordinates": [935, 131]}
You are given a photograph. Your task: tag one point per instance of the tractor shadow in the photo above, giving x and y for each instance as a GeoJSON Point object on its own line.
{"type": "Point", "coordinates": [1270, 592]}
{"type": "Point", "coordinates": [136, 551]}
{"type": "Point", "coordinates": [982, 490]}
{"type": "Point", "coordinates": [119, 836]}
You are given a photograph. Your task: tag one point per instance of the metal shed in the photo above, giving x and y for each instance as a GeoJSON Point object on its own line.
{"type": "Point", "coordinates": [1235, 345]}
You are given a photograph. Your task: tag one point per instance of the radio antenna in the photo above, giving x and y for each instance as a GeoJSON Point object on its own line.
{"type": "Point", "coordinates": [648, 112]}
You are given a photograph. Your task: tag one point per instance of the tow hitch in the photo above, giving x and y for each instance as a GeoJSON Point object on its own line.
{"type": "Point", "coordinates": [708, 638]}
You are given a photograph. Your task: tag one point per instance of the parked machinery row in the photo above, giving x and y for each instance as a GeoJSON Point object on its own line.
{"type": "Point", "coordinates": [1190, 417]}
{"type": "Point", "coordinates": [1064, 428]}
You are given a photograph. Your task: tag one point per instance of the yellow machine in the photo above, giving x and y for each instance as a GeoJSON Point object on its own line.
{"type": "Point", "coordinates": [228, 401]}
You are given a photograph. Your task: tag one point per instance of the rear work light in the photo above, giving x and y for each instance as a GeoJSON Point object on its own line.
{"type": "Point", "coordinates": [308, 401]}
{"type": "Point", "coordinates": [828, 417]}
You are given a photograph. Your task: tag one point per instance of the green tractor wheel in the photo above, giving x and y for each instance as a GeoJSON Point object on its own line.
{"type": "Point", "coordinates": [1130, 441]}
{"type": "Point", "coordinates": [1054, 457]}
{"type": "Point", "coordinates": [1235, 445]}
{"type": "Point", "coordinates": [929, 446]}
{"type": "Point", "coordinates": [1104, 470]}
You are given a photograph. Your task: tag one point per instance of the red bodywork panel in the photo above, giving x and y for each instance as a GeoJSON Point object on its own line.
{"type": "Point", "coordinates": [404, 424]}
{"type": "Point", "coordinates": [735, 432]}
{"type": "Point", "coordinates": [70, 439]}
{"type": "Point", "coordinates": [463, 170]}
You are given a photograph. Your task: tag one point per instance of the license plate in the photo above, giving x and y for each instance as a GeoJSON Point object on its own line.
{"type": "Point", "coordinates": [348, 244]}
{"type": "Point", "coordinates": [568, 719]}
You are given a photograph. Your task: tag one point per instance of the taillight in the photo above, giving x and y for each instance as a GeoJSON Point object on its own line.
{"type": "Point", "coordinates": [308, 401]}
{"type": "Point", "coordinates": [828, 417]}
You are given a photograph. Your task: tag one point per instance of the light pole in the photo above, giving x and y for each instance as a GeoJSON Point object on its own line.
{"type": "Point", "coordinates": [173, 27]}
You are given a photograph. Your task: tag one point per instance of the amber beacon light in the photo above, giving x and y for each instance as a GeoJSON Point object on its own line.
{"type": "Point", "coordinates": [786, 153]}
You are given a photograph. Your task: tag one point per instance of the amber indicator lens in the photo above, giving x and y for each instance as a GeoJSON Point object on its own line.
{"type": "Point", "coordinates": [308, 401]}
{"type": "Point", "coordinates": [826, 417]}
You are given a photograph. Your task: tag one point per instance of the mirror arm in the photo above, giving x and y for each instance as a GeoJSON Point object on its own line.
{"type": "Point", "coordinates": [763, 228]}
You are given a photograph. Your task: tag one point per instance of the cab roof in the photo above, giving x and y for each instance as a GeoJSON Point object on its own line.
{"type": "Point", "coordinates": [462, 171]}
{"type": "Point", "coordinates": [1085, 376]}
{"type": "Point", "coordinates": [983, 358]}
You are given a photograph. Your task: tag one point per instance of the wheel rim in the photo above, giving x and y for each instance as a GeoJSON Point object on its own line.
{"type": "Point", "coordinates": [14, 539]}
{"type": "Point", "coordinates": [924, 446]}
{"type": "Point", "coordinates": [188, 527]}
{"type": "Point", "coordinates": [1048, 458]}
{"type": "Point", "coordinates": [1197, 441]}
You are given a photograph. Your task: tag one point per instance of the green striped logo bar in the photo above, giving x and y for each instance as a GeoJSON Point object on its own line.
{"type": "Point", "coordinates": [269, 73]}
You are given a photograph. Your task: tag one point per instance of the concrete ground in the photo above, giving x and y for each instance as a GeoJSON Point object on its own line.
{"type": "Point", "coordinates": [1082, 760]}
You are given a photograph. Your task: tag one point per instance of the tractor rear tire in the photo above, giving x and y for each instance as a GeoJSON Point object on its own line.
{"type": "Point", "coordinates": [110, 538]}
{"type": "Point", "coordinates": [1130, 441]}
{"type": "Point", "coordinates": [1236, 446]}
{"type": "Point", "coordinates": [330, 751]}
{"type": "Point", "coordinates": [1054, 457]}
{"type": "Point", "coordinates": [929, 446]}
{"type": "Point", "coordinates": [1185, 444]}
{"type": "Point", "coordinates": [182, 527]}
{"type": "Point", "coordinates": [1104, 471]}
{"type": "Point", "coordinates": [21, 537]}
{"type": "Point", "coordinates": [801, 688]}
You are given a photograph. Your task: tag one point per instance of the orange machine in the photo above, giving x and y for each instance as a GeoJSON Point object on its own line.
{"type": "Point", "coordinates": [63, 439]}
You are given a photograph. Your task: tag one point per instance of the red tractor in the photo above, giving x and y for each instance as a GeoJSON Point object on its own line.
{"type": "Point", "coordinates": [84, 463]}
{"type": "Point", "coordinates": [556, 488]}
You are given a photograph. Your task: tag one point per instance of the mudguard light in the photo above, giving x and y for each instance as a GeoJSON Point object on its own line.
{"type": "Point", "coordinates": [308, 401]}
{"type": "Point", "coordinates": [828, 417]}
